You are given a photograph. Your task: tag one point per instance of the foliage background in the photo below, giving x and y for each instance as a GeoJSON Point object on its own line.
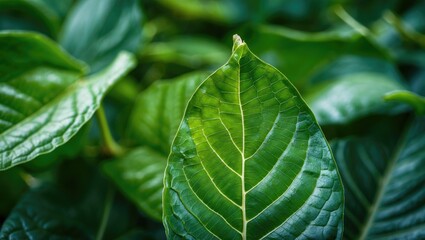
{"type": "Point", "coordinates": [343, 56]}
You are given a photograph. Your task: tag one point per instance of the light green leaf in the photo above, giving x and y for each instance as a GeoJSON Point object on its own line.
{"type": "Point", "coordinates": [43, 100]}
{"type": "Point", "coordinates": [411, 98]}
{"type": "Point", "coordinates": [139, 176]}
{"type": "Point", "coordinates": [249, 161]}
{"type": "Point", "coordinates": [97, 37]}
{"type": "Point", "coordinates": [283, 47]}
{"type": "Point", "coordinates": [153, 123]}
{"type": "Point", "coordinates": [384, 185]}
{"type": "Point", "coordinates": [352, 88]}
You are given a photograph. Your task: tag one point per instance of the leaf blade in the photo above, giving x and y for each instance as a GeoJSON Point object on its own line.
{"type": "Point", "coordinates": [43, 107]}
{"type": "Point", "coordinates": [215, 179]}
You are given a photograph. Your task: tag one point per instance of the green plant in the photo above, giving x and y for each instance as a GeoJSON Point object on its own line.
{"type": "Point", "coordinates": [118, 123]}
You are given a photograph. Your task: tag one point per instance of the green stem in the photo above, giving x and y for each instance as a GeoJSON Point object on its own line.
{"type": "Point", "coordinates": [113, 148]}
{"type": "Point", "coordinates": [407, 33]}
{"type": "Point", "coordinates": [106, 211]}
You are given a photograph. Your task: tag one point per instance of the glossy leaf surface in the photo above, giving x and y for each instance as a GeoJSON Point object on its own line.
{"type": "Point", "coordinates": [97, 37]}
{"type": "Point", "coordinates": [384, 186]}
{"type": "Point", "coordinates": [44, 101]}
{"type": "Point", "coordinates": [342, 92]}
{"type": "Point", "coordinates": [154, 122]}
{"type": "Point", "coordinates": [249, 161]}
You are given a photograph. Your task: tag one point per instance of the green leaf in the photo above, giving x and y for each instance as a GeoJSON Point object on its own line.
{"type": "Point", "coordinates": [283, 47]}
{"type": "Point", "coordinates": [153, 123]}
{"type": "Point", "coordinates": [97, 37]}
{"type": "Point", "coordinates": [139, 176]}
{"type": "Point", "coordinates": [50, 212]}
{"type": "Point", "coordinates": [187, 51]}
{"type": "Point", "coordinates": [353, 88]}
{"type": "Point", "coordinates": [411, 98]}
{"type": "Point", "coordinates": [44, 102]}
{"type": "Point", "coordinates": [36, 15]}
{"type": "Point", "coordinates": [43, 214]}
{"type": "Point", "coordinates": [249, 161]}
{"type": "Point", "coordinates": [384, 185]}
{"type": "Point", "coordinates": [158, 111]}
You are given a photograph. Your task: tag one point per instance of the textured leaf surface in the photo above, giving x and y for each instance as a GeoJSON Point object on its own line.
{"type": "Point", "coordinates": [97, 37]}
{"type": "Point", "coordinates": [43, 100]}
{"type": "Point", "coordinates": [384, 187]}
{"type": "Point", "coordinates": [154, 122]}
{"type": "Point", "coordinates": [351, 88]}
{"type": "Point", "coordinates": [249, 161]}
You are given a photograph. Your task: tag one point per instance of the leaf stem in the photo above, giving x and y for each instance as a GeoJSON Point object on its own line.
{"type": "Point", "coordinates": [405, 31]}
{"type": "Point", "coordinates": [112, 147]}
{"type": "Point", "coordinates": [106, 211]}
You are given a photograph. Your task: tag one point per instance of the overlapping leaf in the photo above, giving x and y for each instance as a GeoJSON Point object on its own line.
{"type": "Point", "coordinates": [284, 47]}
{"type": "Point", "coordinates": [384, 186]}
{"type": "Point", "coordinates": [154, 122]}
{"type": "Point", "coordinates": [249, 161]}
{"type": "Point", "coordinates": [344, 93]}
{"type": "Point", "coordinates": [97, 37]}
{"type": "Point", "coordinates": [43, 100]}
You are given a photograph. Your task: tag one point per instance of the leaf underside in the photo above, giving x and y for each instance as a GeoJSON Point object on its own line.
{"type": "Point", "coordinates": [249, 161]}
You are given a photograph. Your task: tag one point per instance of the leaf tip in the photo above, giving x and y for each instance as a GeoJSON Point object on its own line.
{"type": "Point", "coordinates": [237, 41]}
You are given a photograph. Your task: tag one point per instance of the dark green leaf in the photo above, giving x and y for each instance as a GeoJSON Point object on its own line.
{"type": "Point", "coordinates": [384, 186]}
{"type": "Point", "coordinates": [44, 102]}
{"type": "Point", "coordinates": [285, 48]}
{"type": "Point", "coordinates": [249, 161]}
{"type": "Point", "coordinates": [352, 88]}
{"type": "Point", "coordinates": [97, 37]}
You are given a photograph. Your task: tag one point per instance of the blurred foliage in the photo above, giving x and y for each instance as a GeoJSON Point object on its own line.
{"type": "Point", "coordinates": [359, 64]}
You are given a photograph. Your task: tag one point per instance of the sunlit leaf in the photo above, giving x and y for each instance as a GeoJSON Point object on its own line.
{"type": "Point", "coordinates": [249, 161]}
{"type": "Point", "coordinates": [43, 99]}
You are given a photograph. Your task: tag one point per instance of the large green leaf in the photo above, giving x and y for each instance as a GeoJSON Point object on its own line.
{"type": "Point", "coordinates": [153, 123]}
{"type": "Point", "coordinates": [249, 161]}
{"type": "Point", "coordinates": [384, 185]}
{"type": "Point", "coordinates": [98, 36]}
{"type": "Point", "coordinates": [284, 47]}
{"type": "Point", "coordinates": [351, 88]}
{"type": "Point", "coordinates": [43, 100]}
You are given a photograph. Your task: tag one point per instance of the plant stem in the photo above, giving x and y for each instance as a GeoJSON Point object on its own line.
{"type": "Point", "coordinates": [407, 33]}
{"type": "Point", "coordinates": [112, 147]}
{"type": "Point", "coordinates": [106, 211]}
